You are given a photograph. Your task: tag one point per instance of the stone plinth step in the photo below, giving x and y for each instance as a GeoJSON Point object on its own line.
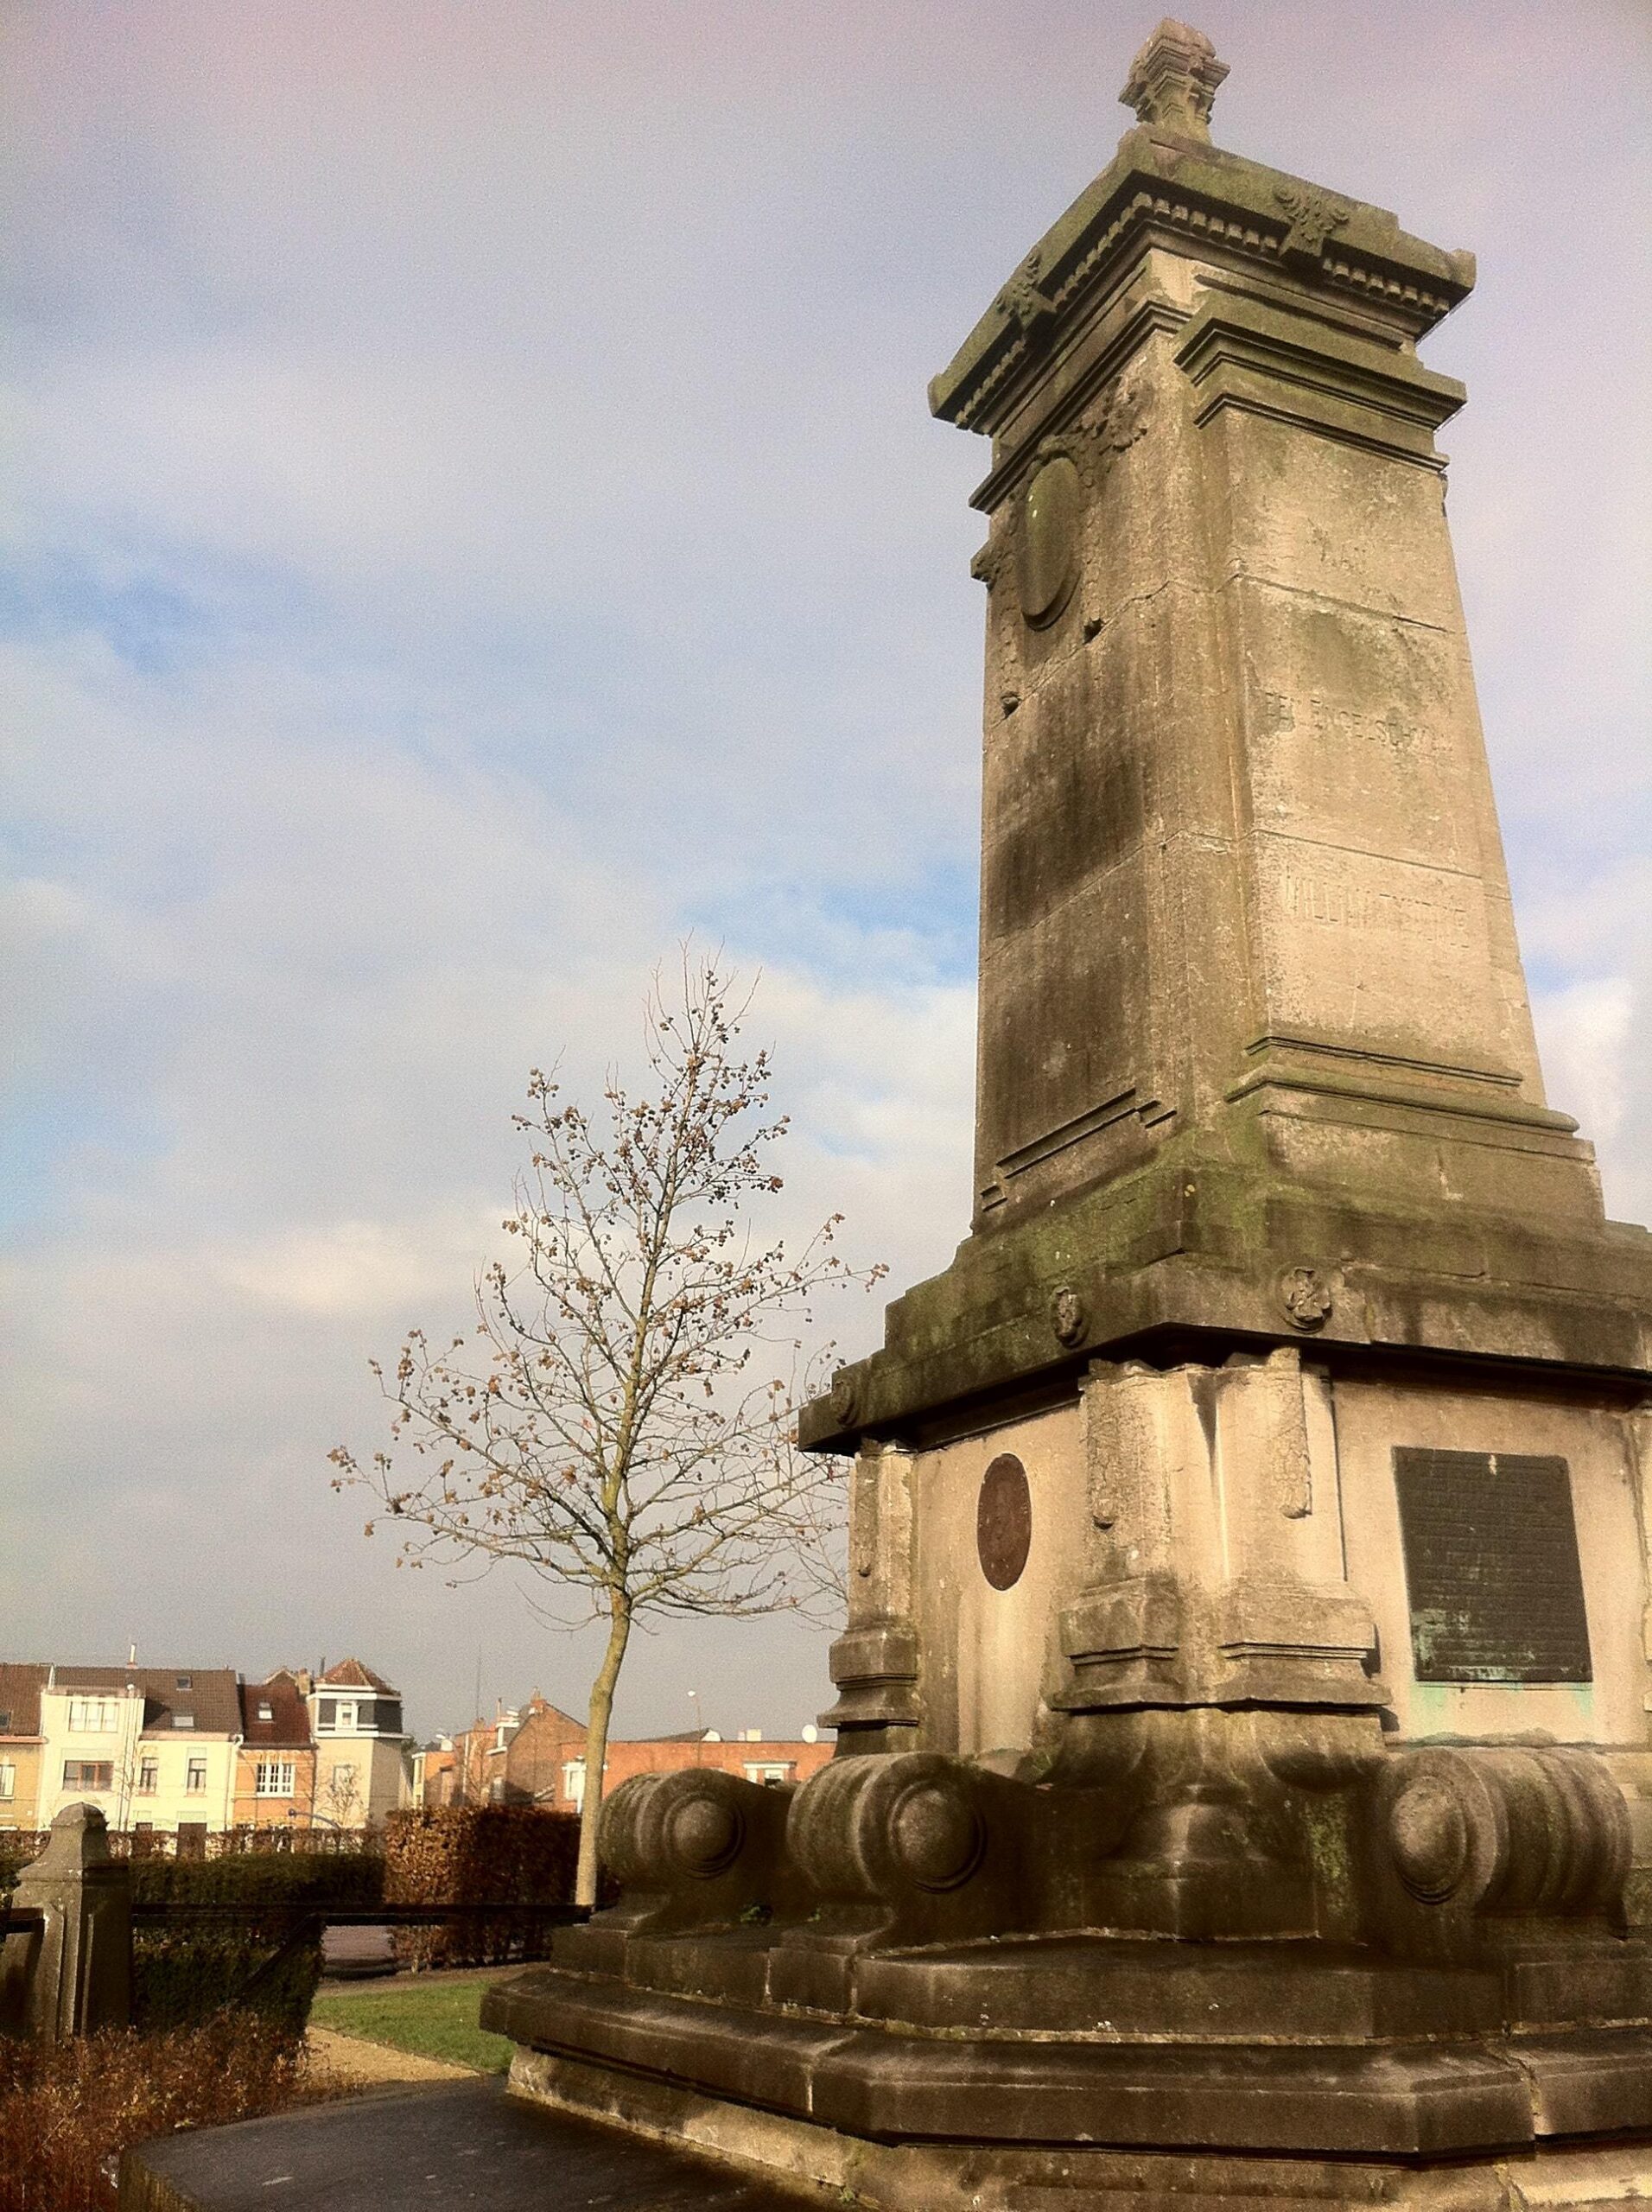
{"type": "Point", "coordinates": [469, 2146]}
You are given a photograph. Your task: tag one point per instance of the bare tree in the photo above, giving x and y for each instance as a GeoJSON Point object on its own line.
{"type": "Point", "coordinates": [616, 1421]}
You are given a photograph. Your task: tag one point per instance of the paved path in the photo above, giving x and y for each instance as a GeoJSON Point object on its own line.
{"type": "Point", "coordinates": [464, 2147]}
{"type": "Point", "coordinates": [346, 2061]}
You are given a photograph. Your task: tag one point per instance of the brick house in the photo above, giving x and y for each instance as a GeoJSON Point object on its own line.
{"type": "Point", "coordinates": [768, 1759]}
{"type": "Point", "coordinates": [513, 1760]}
{"type": "Point", "coordinates": [535, 1756]}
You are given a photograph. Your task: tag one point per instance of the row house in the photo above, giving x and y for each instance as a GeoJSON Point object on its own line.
{"type": "Point", "coordinates": [190, 1752]}
{"type": "Point", "coordinates": [323, 1751]}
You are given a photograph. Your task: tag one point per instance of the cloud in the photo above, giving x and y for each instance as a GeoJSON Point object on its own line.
{"type": "Point", "coordinates": [474, 519]}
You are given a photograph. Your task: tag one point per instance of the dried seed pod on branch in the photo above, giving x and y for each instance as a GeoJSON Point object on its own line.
{"type": "Point", "coordinates": [621, 1420]}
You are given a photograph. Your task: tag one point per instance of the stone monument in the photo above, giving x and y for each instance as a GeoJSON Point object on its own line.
{"type": "Point", "coordinates": [1242, 1710]}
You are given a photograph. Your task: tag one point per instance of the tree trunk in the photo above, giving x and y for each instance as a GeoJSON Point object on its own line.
{"type": "Point", "coordinates": [596, 1749]}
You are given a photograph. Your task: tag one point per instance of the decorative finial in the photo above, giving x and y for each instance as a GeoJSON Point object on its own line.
{"type": "Point", "coordinates": [1173, 81]}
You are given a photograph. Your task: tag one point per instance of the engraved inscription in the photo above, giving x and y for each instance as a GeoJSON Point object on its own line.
{"type": "Point", "coordinates": [1394, 732]}
{"type": "Point", "coordinates": [1336, 905]}
{"type": "Point", "coordinates": [1491, 1568]}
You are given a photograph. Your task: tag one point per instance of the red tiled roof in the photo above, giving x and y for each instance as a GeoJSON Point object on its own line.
{"type": "Point", "coordinates": [209, 1696]}
{"type": "Point", "coordinates": [20, 1689]}
{"type": "Point", "coordinates": [288, 1727]}
{"type": "Point", "coordinates": [351, 1674]}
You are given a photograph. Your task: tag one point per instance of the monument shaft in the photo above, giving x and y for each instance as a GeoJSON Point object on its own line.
{"type": "Point", "coordinates": [1242, 1706]}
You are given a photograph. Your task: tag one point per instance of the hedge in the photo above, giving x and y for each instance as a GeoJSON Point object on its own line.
{"type": "Point", "coordinates": [348, 1881]}
{"type": "Point", "coordinates": [183, 1972]}
{"type": "Point", "coordinates": [476, 1854]}
{"type": "Point", "coordinates": [183, 1977]}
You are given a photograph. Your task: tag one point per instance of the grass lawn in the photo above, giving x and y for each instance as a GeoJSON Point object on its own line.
{"type": "Point", "coordinates": [437, 2019]}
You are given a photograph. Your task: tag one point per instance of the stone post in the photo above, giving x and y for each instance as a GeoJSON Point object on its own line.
{"type": "Point", "coordinates": [78, 1977]}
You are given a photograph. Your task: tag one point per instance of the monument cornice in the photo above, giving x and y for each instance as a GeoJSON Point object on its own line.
{"type": "Point", "coordinates": [1164, 191]}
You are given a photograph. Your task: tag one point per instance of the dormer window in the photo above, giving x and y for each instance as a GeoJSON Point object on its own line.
{"type": "Point", "coordinates": [183, 1720]}
{"type": "Point", "coordinates": [266, 1711]}
{"type": "Point", "coordinates": [185, 1682]}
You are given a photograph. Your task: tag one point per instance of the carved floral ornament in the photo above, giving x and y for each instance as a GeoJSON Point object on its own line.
{"type": "Point", "coordinates": [1023, 302]}
{"type": "Point", "coordinates": [1305, 1293]}
{"type": "Point", "coordinates": [845, 1398]}
{"type": "Point", "coordinates": [1314, 215]}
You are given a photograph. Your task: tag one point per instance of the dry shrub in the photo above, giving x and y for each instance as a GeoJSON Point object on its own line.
{"type": "Point", "coordinates": [67, 2110]}
{"type": "Point", "coordinates": [478, 1854]}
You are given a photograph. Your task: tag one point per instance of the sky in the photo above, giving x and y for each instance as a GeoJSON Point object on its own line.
{"type": "Point", "coordinates": [470, 519]}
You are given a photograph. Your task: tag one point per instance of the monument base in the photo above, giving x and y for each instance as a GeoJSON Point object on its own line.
{"type": "Point", "coordinates": [916, 1979]}
{"type": "Point", "coordinates": [1033, 2177]}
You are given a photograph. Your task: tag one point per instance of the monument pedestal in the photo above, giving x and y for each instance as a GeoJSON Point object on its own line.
{"type": "Point", "coordinates": [1242, 1710]}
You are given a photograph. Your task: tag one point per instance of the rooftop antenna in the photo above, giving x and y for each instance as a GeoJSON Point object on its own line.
{"type": "Point", "coordinates": [131, 1655]}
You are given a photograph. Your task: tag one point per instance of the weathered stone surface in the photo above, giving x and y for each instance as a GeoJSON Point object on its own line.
{"type": "Point", "coordinates": [73, 1974]}
{"type": "Point", "coordinates": [442, 2149]}
{"type": "Point", "coordinates": [1242, 1705]}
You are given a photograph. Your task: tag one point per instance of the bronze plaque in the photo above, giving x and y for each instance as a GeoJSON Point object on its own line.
{"type": "Point", "coordinates": [1047, 550]}
{"type": "Point", "coordinates": [1004, 1522]}
{"type": "Point", "coordinates": [1491, 1568]}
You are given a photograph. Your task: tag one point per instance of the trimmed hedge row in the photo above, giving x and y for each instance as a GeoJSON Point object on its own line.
{"type": "Point", "coordinates": [182, 1973]}
{"type": "Point", "coordinates": [476, 1854]}
{"type": "Point", "coordinates": [183, 1977]}
{"type": "Point", "coordinates": [348, 1881]}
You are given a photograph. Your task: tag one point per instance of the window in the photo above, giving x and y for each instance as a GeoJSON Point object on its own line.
{"type": "Point", "coordinates": [7, 1779]}
{"type": "Point", "coordinates": [266, 1711]}
{"type": "Point", "coordinates": [771, 1774]}
{"type": "Point", "coordinates": [275, 1777]}
{"type": "Point", "coordinates": [347, 1716]}
{"type": "Point", "coordinates": [148, 1777]}
{"type": "Point", "coordinates": [574, 1783]}
{"type": "Point", "coordinates": [6, 1720]}
{"type": "Point", "coordinates": [94, 1716]}
{"type": "Point", "coordinates": [326, 1712]}
{"type": "Point", "coordinates": [183, 1720]}
{"type": "Point", "coordinates": [388, 1720]}
{"type": "Point", "coordinates": [196, 1782]}
{"type": "Point", "coordinates": [186, 1682]}
{"type": "Point", "coordinates": [88, 1774]}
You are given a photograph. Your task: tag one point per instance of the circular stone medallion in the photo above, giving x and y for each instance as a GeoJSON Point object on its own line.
{"type": "Point", "coordinates": [1047, 550]}
{"type": "Point", "coordinates": [1004, 1522]}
